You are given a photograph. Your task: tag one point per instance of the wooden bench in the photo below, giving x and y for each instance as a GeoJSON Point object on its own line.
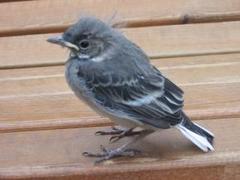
{"type": "Point", "coordinates": [44, 128]}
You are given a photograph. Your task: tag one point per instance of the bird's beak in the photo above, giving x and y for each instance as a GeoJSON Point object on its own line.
{"type": "Point", "coordinates": [60, 41]}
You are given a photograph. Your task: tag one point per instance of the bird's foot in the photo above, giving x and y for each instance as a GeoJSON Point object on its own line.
{"type": "Point", "coordinates": [119, 133]}
{"type": "Point", "coordinates": [126, 133]}
{"type": "Point", "coordinates": [115, 130]}
{"type": "Point", "coordinates": [108, 154]}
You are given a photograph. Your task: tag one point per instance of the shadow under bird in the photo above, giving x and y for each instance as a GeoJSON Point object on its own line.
{"type": "Point", "coordinates": [114, 77]}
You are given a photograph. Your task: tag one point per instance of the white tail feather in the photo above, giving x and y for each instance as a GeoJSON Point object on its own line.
{"type": "Point", "coordinates": [205, 129]}
{"type": "Point", "coordinates": [197, 139]}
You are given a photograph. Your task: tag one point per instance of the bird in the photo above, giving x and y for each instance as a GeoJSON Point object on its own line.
{"type": "Point", "coordinates": [114, 76]}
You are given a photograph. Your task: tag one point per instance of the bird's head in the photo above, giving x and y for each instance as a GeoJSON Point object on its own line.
{"type": "Point", "coordinates": [88, 38]}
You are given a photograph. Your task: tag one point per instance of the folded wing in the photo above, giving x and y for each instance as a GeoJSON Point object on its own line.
{"type": "Point", "coordinates": [151, 99]}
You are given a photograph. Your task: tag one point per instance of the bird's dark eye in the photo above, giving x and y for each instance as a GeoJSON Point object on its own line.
{"type": "Point", "coordinates": [84, 44]}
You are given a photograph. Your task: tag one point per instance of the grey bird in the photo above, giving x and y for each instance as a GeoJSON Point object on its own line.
{"type": "Point", "coordinates": [114, 76]}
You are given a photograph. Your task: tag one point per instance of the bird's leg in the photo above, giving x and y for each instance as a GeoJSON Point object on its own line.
{"type": "Point", "coordinates": [119, 133]}
{"type": "Point", "coordinates": [107, 154]}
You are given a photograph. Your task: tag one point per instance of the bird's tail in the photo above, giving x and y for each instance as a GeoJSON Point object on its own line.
{"type": "Point", "coordinates": [200, 136]}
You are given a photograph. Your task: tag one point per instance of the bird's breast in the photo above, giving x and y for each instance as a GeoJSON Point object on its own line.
{"type": "Point", "coordinates": [76, 83]}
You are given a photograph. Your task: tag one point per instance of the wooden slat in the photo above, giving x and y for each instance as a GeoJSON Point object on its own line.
{"type": "Point", "coordinates": [163, 63]}
{"type": "Point", "coordinates": [167, 155]}
{"type": "Point", "coordinates": [31, 97]}
{"type": "Point", "coordinates": [54, 15]}
{"type": "Point", "coordinates": [209, 101]}
{"type": "Point", "coordinates": [158, 42]}
{"type": "Point", "coordinates": [29, 81]}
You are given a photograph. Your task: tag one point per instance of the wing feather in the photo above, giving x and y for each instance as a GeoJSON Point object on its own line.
{"type": "Point", "coordinates": [151, 99]}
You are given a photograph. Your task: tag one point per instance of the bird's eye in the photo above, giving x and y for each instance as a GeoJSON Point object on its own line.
{"type": "Point", "coordinates": [84, 44]}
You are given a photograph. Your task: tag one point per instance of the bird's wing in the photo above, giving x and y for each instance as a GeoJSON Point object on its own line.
{"type": "Point", "coordinates": [151, 99]}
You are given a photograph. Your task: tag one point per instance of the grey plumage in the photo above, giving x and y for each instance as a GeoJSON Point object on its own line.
{"type": "Point", "coordinates": [114, 76]}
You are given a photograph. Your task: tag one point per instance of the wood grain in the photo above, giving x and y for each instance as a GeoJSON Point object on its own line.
{"type": "Point", "coordinates": [55, 15]}
{"type": "Point", "coordinates": [158, 42]}
{"type": "Point", "coordinates": [167, 155]}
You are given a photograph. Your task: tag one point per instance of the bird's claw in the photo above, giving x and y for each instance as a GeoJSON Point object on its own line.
{"type": "Point", "coordinates": [116, 138]}
{"type": "Point", "coordinates": [126, 133]}
{"type": "Point", "coordinates": [108, 154]}
{"type": "Point", "coordinates": [118, 133]}
{"type": "Point", "coordinates": [114, 131]}
{"type": "Point", "coordinates": [88, 154]}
